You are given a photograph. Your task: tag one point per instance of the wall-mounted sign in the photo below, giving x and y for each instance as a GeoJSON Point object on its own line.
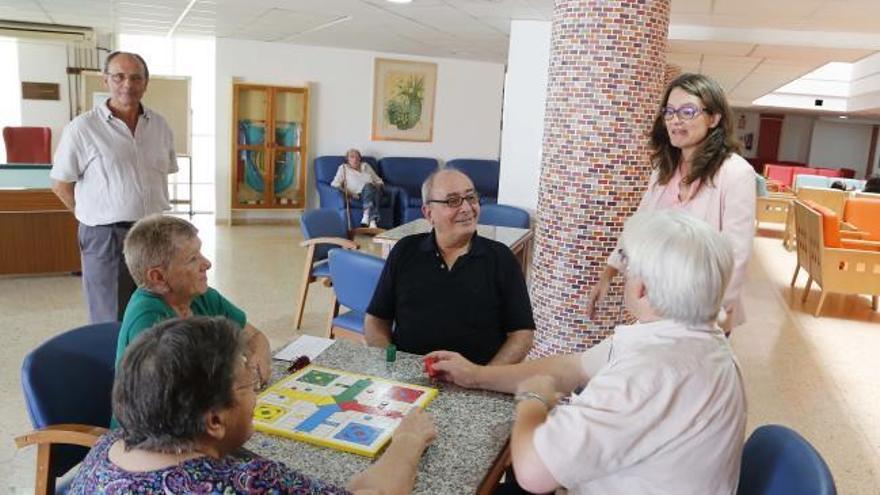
{"type": "Point", "coordinates": [40, 91]}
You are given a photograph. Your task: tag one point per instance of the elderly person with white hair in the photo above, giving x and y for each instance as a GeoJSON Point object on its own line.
{"type": "Point", "coordinates": [666, 410]}
{"type": "Point", "coordinates": [164, 256]}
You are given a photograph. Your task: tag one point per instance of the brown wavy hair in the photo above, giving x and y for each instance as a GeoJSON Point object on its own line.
{"type": "Point", "coordinates": [715, 148]}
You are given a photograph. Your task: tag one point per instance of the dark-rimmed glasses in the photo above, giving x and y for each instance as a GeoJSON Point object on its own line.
{"type": "Point", "coordinates": [684, 112]}
{"type": "Point", "coordinates": [455, 201]}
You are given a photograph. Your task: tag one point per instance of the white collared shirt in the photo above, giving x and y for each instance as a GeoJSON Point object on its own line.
{"type": "Point", "coordinates": [666, 414]}
{"type": "Point", "coordinates": [119, 177]}
{"type": "Point", "coordinates": [355, 180]}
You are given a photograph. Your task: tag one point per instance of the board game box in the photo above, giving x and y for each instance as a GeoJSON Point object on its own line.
{"type": "Point", "coordinates": [338, 409]}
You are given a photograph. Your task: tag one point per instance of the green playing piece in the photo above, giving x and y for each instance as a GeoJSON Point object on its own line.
{"type": "Point", "coordinates": [391, 353]}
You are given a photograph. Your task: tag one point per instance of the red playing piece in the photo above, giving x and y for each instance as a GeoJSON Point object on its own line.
{"type": "Point", "coordinates": [429, 367]}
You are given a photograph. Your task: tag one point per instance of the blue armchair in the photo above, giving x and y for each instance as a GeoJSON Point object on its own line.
{"type": "Point", "coordinates": [67, 383]}
{"type": "Point", "coordinates": [355, 276]}
{"type": "Point", "coordinates": [407, 174]}
{"type": "Point", "coordinates": [778, 461]}
{"type": "Point", "coordinates": [483, 173]}
{"type": "Point", "coordinates": [330, 197]}
{"type": "Point", "coordinates": [504, 216]}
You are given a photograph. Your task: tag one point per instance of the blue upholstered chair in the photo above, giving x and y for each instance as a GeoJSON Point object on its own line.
{"type": "Point", "coordinates": [817, 181]}
{"type": "Point", "coordinates": [504, 216]}
{"type": "Point", "coordinates": [407, 174]}
{"type": "Point", "coordinates": [67, 383]}
{"type": "Point", "coordinates": [355, 275]}
{"type": "Point", "coordinates": [323, 229]}
{"type": "Point", "coordinates": [330, 197]}
{"type": "Point", "coordinates": [778, 461]}
{"type": "Point", "coordinates": [483, 173]}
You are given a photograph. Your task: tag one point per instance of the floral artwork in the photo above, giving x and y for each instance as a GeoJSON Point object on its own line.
{"type": "Point", "coordinates": [403, 100]}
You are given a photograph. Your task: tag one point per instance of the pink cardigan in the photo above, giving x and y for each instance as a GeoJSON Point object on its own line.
{"type": "Point", "coordinates": [729, 206]}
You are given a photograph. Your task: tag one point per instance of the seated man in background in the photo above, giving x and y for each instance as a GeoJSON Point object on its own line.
{"type": "Point", "coordinates": [450, 288]}
{"type": "Point", "coordinates": [185, 394]}
{"type": "Point", "coordinates": [358, 180]}
{"type": "Point", "coordinates": [666, 412]}
{"type": "Point", "coordinates": [163, 254]}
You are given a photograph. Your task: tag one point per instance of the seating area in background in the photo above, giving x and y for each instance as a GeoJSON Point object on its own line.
{"type": "Point", "coordinates": [323, 229]}
{"type": "Point", "coordinates": [355, 276]}
{"type": "Point", "coordinates": [403, 177]}
{"type": "Point", "coordinates": [28, 144]}
{"type": "Point", "coordinates": [782, 177]}
{"type": "Point", "coordinates": [504, 216]}
{"type": "Point", "coordinates": [776, 460]}
{"type": "Point", "coordinates": [836, 259]}
{"type": "Point", "coordinates": [67, 383]}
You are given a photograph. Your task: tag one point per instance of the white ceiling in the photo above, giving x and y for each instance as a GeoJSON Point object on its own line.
{"type": "Point", "coordinates": [750, 46]}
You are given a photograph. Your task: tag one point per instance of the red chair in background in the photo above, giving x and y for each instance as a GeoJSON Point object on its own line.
{"type": "Point", "coordinates": [28, 144]}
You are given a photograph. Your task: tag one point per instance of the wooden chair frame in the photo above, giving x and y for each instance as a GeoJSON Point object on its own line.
{"type": "Point", "coordinates": [44, 438]}
{"type": "Point", "coordinates": [308, 278]}
{"type": "Point", "coordinates": [832, 198]}
{"type": "Point", "coordinates": [843, 271]}
{"type": "Point", "coordinates": [773, 208]}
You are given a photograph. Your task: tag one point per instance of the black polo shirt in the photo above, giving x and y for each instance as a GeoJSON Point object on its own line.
{"type": "Point", "coordinates": [469, 309]}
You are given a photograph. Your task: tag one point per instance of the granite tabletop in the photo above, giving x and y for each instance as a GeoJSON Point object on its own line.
{"type": "Point", "coordinates": [472, 427]}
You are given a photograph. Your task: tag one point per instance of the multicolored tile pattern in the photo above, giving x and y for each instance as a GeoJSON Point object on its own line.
{"type": "Point", "coordinates": [607, 63]}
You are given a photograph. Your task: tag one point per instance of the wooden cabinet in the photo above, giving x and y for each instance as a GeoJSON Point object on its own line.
{"type": "Point", "coordinates": [269, 152]}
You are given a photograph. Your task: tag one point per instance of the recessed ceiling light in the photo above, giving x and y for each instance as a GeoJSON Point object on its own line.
{"type": "Point", "coordinates": [400, 1]}
{"type": "Point", "coordinates": [842, 117]}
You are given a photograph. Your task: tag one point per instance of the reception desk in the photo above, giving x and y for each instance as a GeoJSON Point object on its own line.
{"type": "Point", "coordinates": [37, 232]}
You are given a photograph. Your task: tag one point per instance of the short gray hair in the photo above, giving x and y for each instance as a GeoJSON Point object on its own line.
{"type": "Point", "coordinates": [129, 54]}
{"type": "Point", "coordinates": [170, 376]}
{"type": "Point", "coordinates": [152, 242]}
{"type": "Point", "coordinates": [429, 182]}
{"type": "Point", "coordinates": [684, 263]}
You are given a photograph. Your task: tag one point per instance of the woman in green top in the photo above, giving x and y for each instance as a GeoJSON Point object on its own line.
{"type": "Point", "coordinates": [163, 254]}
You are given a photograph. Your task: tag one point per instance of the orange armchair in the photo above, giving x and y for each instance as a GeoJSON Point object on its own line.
{"type": "Point", "coordinates": [28, 144]}
{"type": "Point", "coordinates": [864, 215]}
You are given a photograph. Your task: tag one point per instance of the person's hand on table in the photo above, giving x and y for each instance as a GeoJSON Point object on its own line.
{"type": "Point", "coordinates": [452, 367]}
{"type": "Point", "coordinates": [543, 385]}
{"type": "Point", "coordinates": [418, 425]}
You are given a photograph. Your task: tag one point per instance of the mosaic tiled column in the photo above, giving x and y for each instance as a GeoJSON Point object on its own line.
{"type": "Point", "coordinates": [607, 62]}
{"type": "Point", "coordinates": [672, 71]}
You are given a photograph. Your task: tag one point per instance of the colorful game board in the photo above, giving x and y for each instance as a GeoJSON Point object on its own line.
{"type": "Point", "coordinates": [333, 408]}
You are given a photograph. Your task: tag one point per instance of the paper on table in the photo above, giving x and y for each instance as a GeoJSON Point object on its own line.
{"type": "Point", "coordinates": [305, 345]}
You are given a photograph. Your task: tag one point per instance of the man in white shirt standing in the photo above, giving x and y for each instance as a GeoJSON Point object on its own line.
{"type": "Point", "coordinates": [111, 169]}
{"type": "Point", "coordinates": [665, 410]}
{"type": "Point", "coordinates": [358, 180]}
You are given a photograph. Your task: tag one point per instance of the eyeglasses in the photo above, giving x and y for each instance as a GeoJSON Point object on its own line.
{"type": "Point", "coordinates": [120, 77]}
{"type": "Point", "coordinates": [254, 384]}
{"type": "Point", "coordinates": [456, 201]}
{"type": "Point", "coordinates": [684, 112]}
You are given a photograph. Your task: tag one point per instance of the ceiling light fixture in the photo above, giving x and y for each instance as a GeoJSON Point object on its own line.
{"type": "Point", "coordinates": [334, 22]}
{"type": "Point", "coordinates": [842, 117]}
{"type": "Point", "coordinates": [183, 14]}
{"type": "Point", "coordinates": [400, 1]}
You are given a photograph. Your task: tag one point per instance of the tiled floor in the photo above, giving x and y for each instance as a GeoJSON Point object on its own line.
{"type": "Point", "coordinates": [817, 375]}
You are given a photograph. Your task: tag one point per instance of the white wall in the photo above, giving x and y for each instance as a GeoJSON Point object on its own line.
{"type": "Point", "coordinates": [45, 62]}
{"type": "Point", "coordinates": [467, 112]}
{"type": "Point", "coordinates": [10, 88]}
{"type": "Point", "coordinates": [794, 143]}
{"type": "Point", "coordinates": [525, 96]}
{"type": "Point", "coordinates": [837, 145]}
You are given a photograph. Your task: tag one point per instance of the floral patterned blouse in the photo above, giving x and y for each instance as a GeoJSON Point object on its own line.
{"type": "Point", "coordinates": [240, 473]}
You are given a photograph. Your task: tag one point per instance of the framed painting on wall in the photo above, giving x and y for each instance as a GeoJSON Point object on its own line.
{"type": "Point", "coordinates": [403, 100]}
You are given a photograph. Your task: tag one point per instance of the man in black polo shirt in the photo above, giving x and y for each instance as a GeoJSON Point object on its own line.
{"type": "Point", "coordinates": [452, 289]}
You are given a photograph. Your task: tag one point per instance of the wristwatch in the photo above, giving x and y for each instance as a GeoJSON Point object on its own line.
{"type": "Point", "coordinates": [521, 396]}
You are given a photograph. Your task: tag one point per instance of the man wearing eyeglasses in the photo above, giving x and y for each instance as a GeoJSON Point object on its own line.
{"type": "Point", "coordinates": [111, 169]}
{"type": "Point", "coordinates": [452, 289]}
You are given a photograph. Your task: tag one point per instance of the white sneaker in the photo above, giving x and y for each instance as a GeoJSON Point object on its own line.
{"type": "Point", "coordinates": [373, 224]}
{"type": "Point", "coordinates": [365, 219]}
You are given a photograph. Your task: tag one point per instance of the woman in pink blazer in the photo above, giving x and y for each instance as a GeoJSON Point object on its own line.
{"type": "Point", "coordinates": [697, 169]}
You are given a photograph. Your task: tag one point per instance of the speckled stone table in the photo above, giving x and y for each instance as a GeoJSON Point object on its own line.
{"type": "Point", "coordinates": [472, 428]}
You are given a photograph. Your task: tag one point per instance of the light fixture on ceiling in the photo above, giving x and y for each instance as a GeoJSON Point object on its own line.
{"type": "Point", "coordinates": [842, 117]}
{"type": "Point", "coordinates": [183, 14]}
{"type": "Point", "coordinates": [400, 1]}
